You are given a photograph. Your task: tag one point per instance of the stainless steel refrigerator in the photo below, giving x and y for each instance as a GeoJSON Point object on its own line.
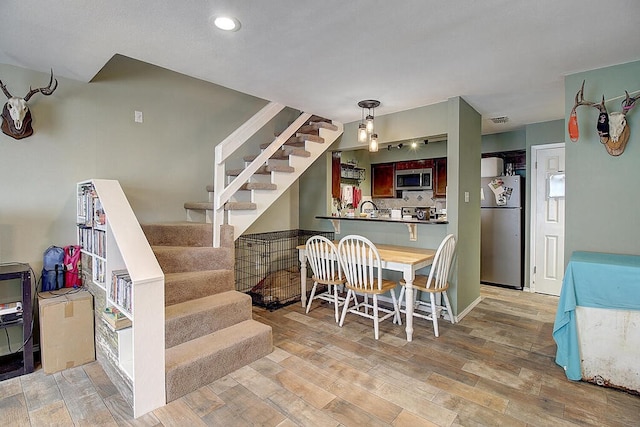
{"type": "Point", "coordinates": [502, 232]}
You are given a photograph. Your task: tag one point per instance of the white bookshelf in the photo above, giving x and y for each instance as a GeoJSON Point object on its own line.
{"type": "Point", "coordinates": [112, 238]}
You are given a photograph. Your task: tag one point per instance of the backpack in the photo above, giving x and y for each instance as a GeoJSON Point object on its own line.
{"type": "Point", "coordinates": [72, 276]}
{"type": "Point", "coordinates": [53, 269]}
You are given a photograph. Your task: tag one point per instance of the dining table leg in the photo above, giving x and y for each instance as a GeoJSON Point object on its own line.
{"type": "Point", "coordinates": [408, 277]}
{"type": "Point", "coordinates": [302, 256]}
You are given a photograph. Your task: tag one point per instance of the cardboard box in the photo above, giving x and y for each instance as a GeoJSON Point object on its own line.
{"type": "Point", "coordinates": [66, 330]}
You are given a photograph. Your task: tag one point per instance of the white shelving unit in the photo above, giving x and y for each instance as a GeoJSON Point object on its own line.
{"type": "Point", "coordinates": [112, 238]}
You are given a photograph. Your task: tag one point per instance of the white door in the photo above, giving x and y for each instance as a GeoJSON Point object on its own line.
{"type": "Point", "coordinates": [547, 219]}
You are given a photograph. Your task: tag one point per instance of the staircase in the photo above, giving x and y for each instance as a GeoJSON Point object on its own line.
{"type": "Point", "coordinates": [209, 331]}
{"type": "Point", "coordinates": [239, 196]}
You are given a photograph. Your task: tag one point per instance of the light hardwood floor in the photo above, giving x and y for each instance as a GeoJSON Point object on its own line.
{"type": "Point", "coordinates": [496, 367]}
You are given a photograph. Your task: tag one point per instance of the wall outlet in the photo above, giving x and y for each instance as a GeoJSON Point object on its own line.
{"type": "Point", "coordinates": [137, 116]}
{"type": "Point", "coordinates": [466, 197]}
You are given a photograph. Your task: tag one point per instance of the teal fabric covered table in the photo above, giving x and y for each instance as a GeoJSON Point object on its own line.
{"type": "Point", "coordinates": [596, 280]}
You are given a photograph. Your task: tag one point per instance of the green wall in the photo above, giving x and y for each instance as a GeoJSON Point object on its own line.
{"type": "Point", "coordinates": [602, 202]}
{"type": "Point", "coordinates": [87, 130]}
{"type": "Point", "coordinates": [463, 201]}
{"type": "Point", "coordinates": [462, 124]}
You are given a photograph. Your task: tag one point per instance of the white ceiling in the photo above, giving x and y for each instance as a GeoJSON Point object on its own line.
{"type": "Point", "coordinates": [504, 57]}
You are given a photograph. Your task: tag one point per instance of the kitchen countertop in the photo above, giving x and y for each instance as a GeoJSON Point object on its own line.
{"type": "Point", "coordinates": [387, 219]}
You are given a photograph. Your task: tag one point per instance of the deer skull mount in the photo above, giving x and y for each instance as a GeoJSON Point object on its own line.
{"type": "Point", "coordinates": [16, 117]}
{"type": "Point", "coordinates": [613, 128]}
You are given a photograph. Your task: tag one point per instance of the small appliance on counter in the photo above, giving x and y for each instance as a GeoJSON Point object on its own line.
{"type": "Point", "coordinates": [422, 213]}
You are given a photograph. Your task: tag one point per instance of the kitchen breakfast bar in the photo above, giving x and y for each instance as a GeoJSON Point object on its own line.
{"type": "Point", "coordinates": [400, 252]}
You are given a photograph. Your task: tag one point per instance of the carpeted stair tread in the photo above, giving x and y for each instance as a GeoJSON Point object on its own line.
{"type": "Point", "coordinates": [179, 234]}
{"type": "Point", "coordinates": [192, 319]}
{"type": "Point", "coordinates": [298, 141]}
{"type": "Point", "coordinates": [180, 287]}
{"type": "Point", "coordinates": [206, 205]}
{"type": "Point", "coordinates": [240, 206]}
{"type": "Point", "coordinates": [315, 126]}
{"type": "Point", "coordinates": [203, 360]}
{"type": "Point", "coordinates": [179, 259]}
{"type": "Point", "coordinates": [251, 186]}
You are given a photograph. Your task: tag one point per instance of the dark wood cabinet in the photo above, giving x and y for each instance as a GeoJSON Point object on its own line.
{"type": "Point", "coordinates": [440, 177]}
{"type": "Point", "coordinates": [335, 174]}
{"type": "Point", "coordinates": [414, 164]}
{"type": "Point", "coordinates": [382, 177]}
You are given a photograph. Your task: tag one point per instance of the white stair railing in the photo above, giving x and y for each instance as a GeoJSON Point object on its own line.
{"type": "Point", "coordinates": [223, 192]}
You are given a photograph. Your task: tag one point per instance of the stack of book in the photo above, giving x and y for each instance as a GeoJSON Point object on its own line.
{"type": "Point", "coordinates": [115, 318]}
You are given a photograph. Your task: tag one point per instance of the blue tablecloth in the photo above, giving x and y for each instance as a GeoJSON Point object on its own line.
{"type": "Point", "coordinates": [596, 280]}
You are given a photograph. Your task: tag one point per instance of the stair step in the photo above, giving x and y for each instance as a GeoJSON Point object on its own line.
{"type": "Point", "coordinates": [180, 259]}
{"type": "Point", "coordinates": [315, 118]}
{"type": "Point", "coordinates": [199, 205]}
{"type": "Point", "coordinates": [297, 141]}
{"type": "Point", "coordinates": [198, 362]}
{"type": "Point", "coordinates": [251, 186]}
{"type": "Point", "coordinates": [198, 317]}
{"type": "Point", "coordinates": [278, 168]}
{"type": "Point", "coordinates": [240, 206]}
{"type": "Point", "coordinates": [179, 234]}
{"type": "Point", "coordinates": [180, 287]}
{"type": "Point", "coordinates": [263, 170]}
{"type": "Point", "coordinates": [229, 206]}
{"type": "Point", "coordinates": [316, 126]}
{"type": "Point", "coordinates": [236, 172]}
{"type": "Point", "coordinates": [281, 154]}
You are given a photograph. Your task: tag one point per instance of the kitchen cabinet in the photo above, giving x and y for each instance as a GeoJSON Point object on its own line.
{"type": "Point", "coordinates": [382, 180]}
{"type": "Point", "coordinates": [335, 174]}
{"type": "Point", "coordinates": [440, 177]}
{"type": "Point", "coordinates": [414, 164]}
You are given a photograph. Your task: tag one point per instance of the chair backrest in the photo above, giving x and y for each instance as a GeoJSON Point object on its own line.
{"type": "Point", "coordinates": [442, 263]}
{"type": "Point", "coordinates": [322, 255]}
{"type": "Point", "coordinates": [360, 262]}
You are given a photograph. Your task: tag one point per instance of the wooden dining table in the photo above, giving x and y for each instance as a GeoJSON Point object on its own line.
{"type": "Point", "coordinates": [404, 259]}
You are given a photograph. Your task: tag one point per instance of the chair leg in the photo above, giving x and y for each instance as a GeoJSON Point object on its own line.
{"type": "Point", "coordinates": [434, 316]}
{"type": "Point", "coordinates": [446, 301]}
{"type": "Point", "coordinates": [346, 307]}
{"type": "Point", "coordinates": [396, 303]}
{"type": "Point", "coordinates": [313, 292]}
{"type": "Point", "coordinates": [335, 301]}
{"type": "Point", "coordinates": [376, 322]}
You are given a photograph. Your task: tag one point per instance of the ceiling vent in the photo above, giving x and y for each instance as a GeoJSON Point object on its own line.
{"type": "Point", "coordinates": [500, 120]}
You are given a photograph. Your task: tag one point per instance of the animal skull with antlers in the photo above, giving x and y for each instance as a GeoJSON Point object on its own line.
{"type": "Point", "coordinates": [16, 117]}
{"type": "Point", "coordinates": [613, 129]}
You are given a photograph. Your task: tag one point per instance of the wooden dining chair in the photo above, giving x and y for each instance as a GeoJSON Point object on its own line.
{"type": "Point", "coordinates": [363, 271]}
{"type": "Point", "coordinates": [436, 283]}
{"type": "Point", "coordinates": [322, 255]}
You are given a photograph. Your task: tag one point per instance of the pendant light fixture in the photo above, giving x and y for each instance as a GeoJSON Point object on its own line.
{"type": "Point", "coordinates": [365, 128]}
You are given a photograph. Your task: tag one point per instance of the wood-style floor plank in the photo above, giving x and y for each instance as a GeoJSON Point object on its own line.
{"type": "Point", "coordinates": [496, 367]}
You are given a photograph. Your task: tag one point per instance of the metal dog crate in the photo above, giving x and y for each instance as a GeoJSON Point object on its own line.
{"type": "Point", "coordinates": [267, 266]}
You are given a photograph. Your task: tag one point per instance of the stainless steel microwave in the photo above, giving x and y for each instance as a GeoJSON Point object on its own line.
{"type": "Point", "coordinates": [414, 179]}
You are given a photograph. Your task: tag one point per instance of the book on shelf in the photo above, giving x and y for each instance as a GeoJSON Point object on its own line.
{"type": "Point", "coordinates": [115, 318]}
{"type": "Point", "coordinates": [121, 288]}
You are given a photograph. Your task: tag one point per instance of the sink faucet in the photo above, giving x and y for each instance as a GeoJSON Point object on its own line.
{"type": "Point", "coordinates": [368, 201]}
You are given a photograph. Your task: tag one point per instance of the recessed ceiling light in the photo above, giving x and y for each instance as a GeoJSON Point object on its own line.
{"type": "Point", "coordinates": [226, 23]}
{"type": "Point", "coordinates": [500, 120]}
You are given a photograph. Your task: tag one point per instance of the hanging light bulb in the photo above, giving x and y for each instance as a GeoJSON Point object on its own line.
{"type": "Point", "coordinates": [369, 124]}
{"type": "Point", "coordinates": [362, 133]}
{"type": "Point", "coordinates": [365, 128]}
{"type": "Point", "coordinates": [373, 144]}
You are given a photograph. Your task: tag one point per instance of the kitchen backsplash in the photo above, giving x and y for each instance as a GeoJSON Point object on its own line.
{"type": "Point", "coordinates": [412, 198]}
